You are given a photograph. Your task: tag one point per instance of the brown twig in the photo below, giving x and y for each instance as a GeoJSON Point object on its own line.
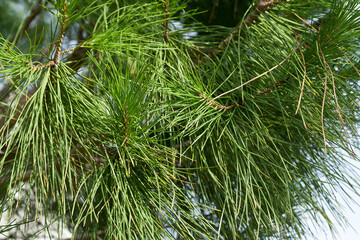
{"type": "Point", "coordinates": [49, 64]}
{"type": "Point", "coordinates": [260, 7]}
{"type": "Point", "coordinates": [332, 76]}
{"type": "Point", "coordinates": [235, 8]}
{"type": "Point", "coordinates": [62, 33]}
{"type": "Point", "coordinates": [215, 4]}
{"type": "Point", "coordinates": [269, 90]}
{"type": "Point", "coordinates": [214, 104]}
{"type": "Point", "coordinates": [304, 77]}
{"type": "Point", "coordinates": [111, 195]}
{"type": "Point", "coordinates": [58, 51]}
{"type": "Point", "coordinates": [323, 101]}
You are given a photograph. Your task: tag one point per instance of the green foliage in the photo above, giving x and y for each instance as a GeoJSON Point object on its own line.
{"type": "Point", "coordinates": [125, 128]}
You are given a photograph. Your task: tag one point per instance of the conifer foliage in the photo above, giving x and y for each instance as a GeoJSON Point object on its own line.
{"type": "Point", "coordinates": [132, 120]}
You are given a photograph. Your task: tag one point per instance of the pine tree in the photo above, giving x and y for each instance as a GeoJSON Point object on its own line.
{"type": "Point", "coordinates": [135, 120]}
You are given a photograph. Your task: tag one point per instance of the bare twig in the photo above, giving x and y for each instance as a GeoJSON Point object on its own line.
{"type": "Point", "coordinates": [58, 51]}
{"type": "Point", "coordinates": [214, 104]}
{"type": "Point", "coordinates": [62, 33]}
{"type": "Point", "coordinates": [235, 8]}
{"type": "Point", "coordinates": [323, 102]}
{"type": "Point", "coordinates": [269, 90]}
{"type": "Point", "coordinates": [260, 7]}
{"type": "Point", "coordinates": [332, 76]}
{"type": "Point", "coordinates": [304, 77]}
{"type": "Point", "coordinates": [49, 64]}
{"type": "Point", "coordinates": [316, 30]}
{"type": "Point", "coordinates": [215, 4]}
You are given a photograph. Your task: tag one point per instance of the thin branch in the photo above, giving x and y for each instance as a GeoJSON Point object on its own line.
{"type": "Point", "coordinates": [214, 104]}
{"type": "Point", "coordinates": [111, 195]}
{"type": "Point", "coordinates": [323, 102]}
{"type": "Point", "coordinates": [259, 8]}
{"type": "Point", "coordinates": [269, 90]}
{"type": "Point", "coordinates": [58, 51]}
{"type": "Point", "coordinates": [235, 8]}
{"type": "Point", "coordinates": [259, 76]}
{"type": "Point", "coordinates": [76, 59]}
{"type": "Point", "coordinates": [221, 107]}
{"type": "Point", "coordinates": [316, 30]}
{"type": "Point", "coordinates": [215, 4]}
{"type": "Point", "coordinates": [332, 76]}
{"type": "Point", "coordinates": [49, 64]}
{"type": "Point", "coordinates": [166, 31]}
{"type": "Point", "coordinates": [304, 77]}
{"type": "Point", "coordinates": [308, 24]}
{"type": "Point", "coordinates": [52, 63]}
{"type": "Point", "coordinates": [62, 33]}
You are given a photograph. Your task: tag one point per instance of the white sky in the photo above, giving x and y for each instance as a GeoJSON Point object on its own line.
{"type": "Point", "coordinates": [352, 213]}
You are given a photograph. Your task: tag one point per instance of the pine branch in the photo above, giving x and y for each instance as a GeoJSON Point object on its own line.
{"type": "Point", "coordinates": [62, 33]}
{"type": "Point", "coordinates": [260, 7]}
{"type": "Point", "coordinates": [218, 106]}
{"type": "Point", "coordinates": [58, 51]}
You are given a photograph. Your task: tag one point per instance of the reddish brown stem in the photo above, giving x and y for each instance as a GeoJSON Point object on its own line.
{"type": "Point", "coordinates": [269, 90]}
{"type": "Point", "coordinates": [213, 11]}
{"type": "Point", "coordinates": [260, 7]}
{"type": "Point", "coordinates": [235, 8]}
{"type": "Point", "coordinates": [62, 33]}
